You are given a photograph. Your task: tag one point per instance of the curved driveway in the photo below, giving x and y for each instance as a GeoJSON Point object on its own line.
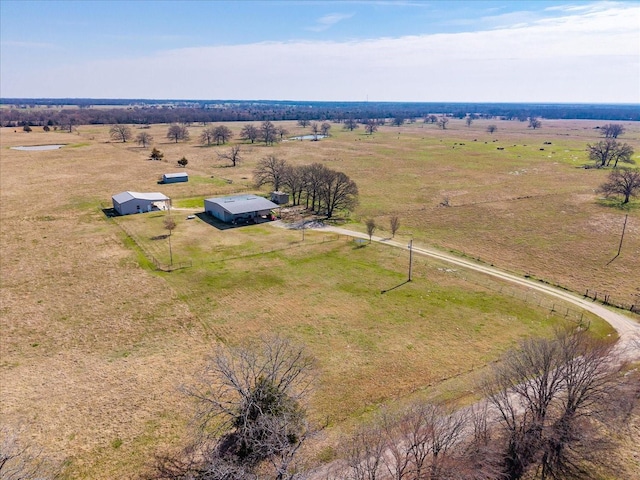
{"type": "Point", "coordinates": [628, 347]}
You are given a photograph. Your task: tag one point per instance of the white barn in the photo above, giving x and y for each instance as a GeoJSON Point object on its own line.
{"type": "Point", "coordinates": [238, 208]}
{"type": "Point", "coordinates": [126, 203]}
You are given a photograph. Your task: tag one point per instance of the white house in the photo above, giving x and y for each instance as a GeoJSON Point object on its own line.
{"type": "Point", "coordinates": [126, 203]}
{"type": "Point", "coordinates": [239, 208]}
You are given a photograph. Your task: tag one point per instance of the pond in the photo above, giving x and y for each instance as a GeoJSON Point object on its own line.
{"type": "Point", "coordinates": [36, 148]}
{"type": "Point", "coordinates": [308, 137]}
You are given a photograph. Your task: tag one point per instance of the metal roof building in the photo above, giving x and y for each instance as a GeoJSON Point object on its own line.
{"type": "Point", "coordinates": [126, 203]}
{"type": "Point", "coordinates": [238, 207]}
{"type": "Point", "coordinates": [175, 177]}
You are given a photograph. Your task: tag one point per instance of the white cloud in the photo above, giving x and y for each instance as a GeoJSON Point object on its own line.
{"type": "Point", "coordinates": [592, 57]}
{"type": "Point", "coordinates": [326, 22]}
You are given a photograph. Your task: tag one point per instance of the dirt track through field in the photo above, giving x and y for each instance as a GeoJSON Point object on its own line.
{"type": "Point", "coordinates": [627, 348]}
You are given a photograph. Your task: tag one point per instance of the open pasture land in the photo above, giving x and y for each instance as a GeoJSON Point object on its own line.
{"type": "Point", "coordinates": [95, 343]}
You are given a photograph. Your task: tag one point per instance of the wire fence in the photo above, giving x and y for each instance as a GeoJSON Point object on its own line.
{"type": "Point", "coordinates": [554, 306]}
{"type": "Point", "coordinates": [169, 267]}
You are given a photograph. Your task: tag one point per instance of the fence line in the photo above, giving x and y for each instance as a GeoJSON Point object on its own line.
{"type": "Point", "coordinates": [554, 306]}
{"type": "Point", "coordinates": [188, 264]}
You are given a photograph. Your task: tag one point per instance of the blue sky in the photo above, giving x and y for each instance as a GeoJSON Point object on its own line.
{"type": "Point", "coordinates": [405, 50]}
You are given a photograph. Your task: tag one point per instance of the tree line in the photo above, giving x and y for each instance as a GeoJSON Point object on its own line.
{"type": "Point", "coordinates": [140, 112]}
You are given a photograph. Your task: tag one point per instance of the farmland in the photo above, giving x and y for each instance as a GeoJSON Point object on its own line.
{"type": "Point", "coordinates": [96, 343]}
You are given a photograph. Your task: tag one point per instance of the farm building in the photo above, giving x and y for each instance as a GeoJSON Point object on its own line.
{"type": "Point", "coordinates": [126, 203]}
{"type": "Point", "coordinates": [239, 208]}
{"type": "Point", "coordinates": [175, 177]}
{"type": "Point", "coordinates": [281, 198]}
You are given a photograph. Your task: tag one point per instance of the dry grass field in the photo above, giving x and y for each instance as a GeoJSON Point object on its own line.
{"type": "Point", "coordinates": [95, 343]}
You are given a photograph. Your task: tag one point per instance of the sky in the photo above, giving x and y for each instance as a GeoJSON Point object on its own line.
{"type": "Point", "coordinates": [542, 51]}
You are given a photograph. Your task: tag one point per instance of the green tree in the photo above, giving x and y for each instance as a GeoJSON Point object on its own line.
{"type": "Point", "coordinates": [156, 155]}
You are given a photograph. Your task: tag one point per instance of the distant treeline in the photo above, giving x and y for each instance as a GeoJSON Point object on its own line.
{"type": "Point", "coordinates": [67, 111]}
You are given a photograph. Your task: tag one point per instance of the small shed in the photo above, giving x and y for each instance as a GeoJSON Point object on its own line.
{"type": "Point", "coordinates": [126, 203]}
{"type": "Point", "coordinates": [281, 198]}
{"type": "Point", "coordinates": [175, 177]}
{"type": "Point", "coordinates": [238, 208]}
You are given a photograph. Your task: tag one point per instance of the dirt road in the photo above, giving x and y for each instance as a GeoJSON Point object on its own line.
{"type": "Point", "coordinates": [628, 347]}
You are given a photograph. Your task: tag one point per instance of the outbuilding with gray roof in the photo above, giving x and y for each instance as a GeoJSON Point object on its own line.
{"type": "Point", "coordinates": [239, 208]}
{"type": "Point", "coordinates": [126, 203]}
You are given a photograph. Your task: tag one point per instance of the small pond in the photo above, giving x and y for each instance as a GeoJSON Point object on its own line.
{"type": "Point", "coordinates": [36, 148]}
{"type": "Point", "coordinates": [308, 137]}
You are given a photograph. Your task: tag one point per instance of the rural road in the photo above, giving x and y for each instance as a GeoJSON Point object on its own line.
{"type": "Point", "coordinates": [627, 348]}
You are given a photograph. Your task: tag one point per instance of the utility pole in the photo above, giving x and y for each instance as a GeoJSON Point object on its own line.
{"type": "Point", "coordinates": [410, 258]}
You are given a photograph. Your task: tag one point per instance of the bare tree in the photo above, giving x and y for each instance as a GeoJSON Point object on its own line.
{"type": "Point", "coordinates": [304, 122]}
{"type": "Point", "coordinates": [534, 123]}
{"type": "Point", "coordinates": [370, 126]}
{"type": "Point", "coordinates": [363, 453]}
{"type": "Point", "coordinates": [233, 155]}
{"type": "Point", "coordinates": [609, 151]}
{"type": "Point", "coordinates": [144, 139]}
{"type": "Point", "coordinates": [430, 119]}
{"type": "Point", "coordinates": [337, 192]}
{"type": "Point", "coordinates": [612, 130]}
{"type": "Point", "coordinates": [120, 132]}
{"type": "Point", "coordinates": [313, 177]}
{"type": "Point", "coordinates": [178, 132]}
{"type": "Point", "coordinates": [268, 133]}
{"type": "Point", "coordinates": [546, 394]}
{"type": "Point", "coordinates": [442, 122]}
{"type": "Point", "coordinates": [270, 170]}
{"type": "Point", "coordinates": [492, 128]}
{"type": "Point", "coordinates": [397, 121]}
{"type": "Point", "coordinates": [156, 155]}
{"type": "Point", "coordinates": [324, 128]}
{"type": "Point", "coordinates": [371, 227]}
{"type": "Point", "coordinates": [208, 135]}
{"type": "Point", "coordinates": [222, 134]}
{"type": "Point", "coordinates": [294, 182]}
{"type": "Point", "coordinates": [351, 124]}
{"type": "Point", "coordinates": [315, 130]}
{"type": "Point", "coordinates": [394, 224]}
{"type": "Point", "coordinates": [252, 401]}
{"type": "Point", "coordinates": [622, 181]}
{"type": "Point", "coordinates": [19, 461]}
{"type": "Point", "coordinates": [282, 132]}
{"type": "Point", "coordinates": [468, 120]}
{"type": "Point", "coordinates": [249, 132]}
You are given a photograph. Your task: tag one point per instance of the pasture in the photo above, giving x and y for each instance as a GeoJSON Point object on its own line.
{"type": "Point", "coordinates": [96, 343]}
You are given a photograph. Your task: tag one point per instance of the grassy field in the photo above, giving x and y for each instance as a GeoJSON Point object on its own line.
{"type": "Point", "coordinates": [95, 343]}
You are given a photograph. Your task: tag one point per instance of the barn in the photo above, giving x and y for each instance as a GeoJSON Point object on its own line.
{"type": "Point", "coordinates": [175, 177]}
{"type": "Point", "coordinates": [239, 208]}
{"type": "Point", "coordinates": [126, 203]}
